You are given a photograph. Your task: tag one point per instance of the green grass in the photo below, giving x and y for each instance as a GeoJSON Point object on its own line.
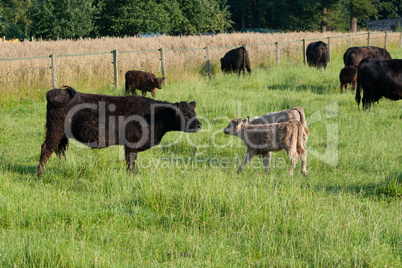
{"type": "Point", "coordinates": [186, 206]}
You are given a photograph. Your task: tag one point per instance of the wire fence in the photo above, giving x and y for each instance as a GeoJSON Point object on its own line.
{"type": "Point", "coordinates": [107, 68]}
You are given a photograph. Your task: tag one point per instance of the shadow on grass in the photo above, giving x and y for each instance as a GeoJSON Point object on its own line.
{"type": "Point", "coordinates": [20, 169]}
{"type": "Point", "coordinates": [390, 187]}
{"type": "Point", "coordinates": [322, 89]}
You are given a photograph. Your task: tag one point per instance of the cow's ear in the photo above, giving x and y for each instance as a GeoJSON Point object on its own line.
{"type": "Point", "coordinates": [238, 121]}
{"type": "Point", "coordinates": [163, 79]}
{"type": "Point", "coordinates": [193, 104]}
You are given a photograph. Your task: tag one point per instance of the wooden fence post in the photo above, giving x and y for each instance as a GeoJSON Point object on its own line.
{"type": "Point", "coordinates": [163, 65]}
{"type": "Point", "coordinates": [277, 53]}
{"type": "Point", "coordinates": [115, 70]}
{"type": "Point", "coordinates": [54, 70]}
{"type": "Point", "coordinates": [207, 61]}
{"type": "Point", "coordinates": [329, 48]}
{"type": "Point", "coordinates": [350, 40]}
{"type": "Point", "coordinates": [386, 40]}
{"type": "Point", "coordinates": [4, 39]}
{"type": "Point", "coordinates": [304, 52]}
{"type": "Point", "coordinates": [368, 39]}
{"type": "Point", "coordinates": [400, 39]}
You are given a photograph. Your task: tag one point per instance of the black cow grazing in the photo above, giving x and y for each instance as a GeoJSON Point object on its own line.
{"type": "Point", "coordinates": [236, 60]}
{"type": "Point", "coordinates": [99, 121]}
{"type": "Point", "coordinates": [354, 55]}
{"type": "Point", "coordinates": [348, 75]}
{"type": "Point", "coordinates": [317, 54]}
{"type": "Point", "coordinates": [144, 81]}
{"type": "Point", "coordinates": [379, 78]}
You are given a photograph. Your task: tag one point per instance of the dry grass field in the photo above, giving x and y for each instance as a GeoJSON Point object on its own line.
{"type": "Point", "coordinates": [25, 69]}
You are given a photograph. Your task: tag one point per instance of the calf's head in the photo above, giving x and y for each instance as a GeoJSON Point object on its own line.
{"type": "Point", "coordinates": [235, 126]}
{"type": "Point", "coordinates": [158, 82]}
{"type": "Point", "coordinates": [185, 113]}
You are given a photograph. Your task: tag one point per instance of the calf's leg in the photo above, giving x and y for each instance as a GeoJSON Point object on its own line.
{"type": "Point", "coordinates": [266, 159]}
{"type": "Point", "coordinates": [303, 157]}
{"type": "Point", "coordinates": [293, 159]}
{"type": "Point", "coordinates": [247, 158]}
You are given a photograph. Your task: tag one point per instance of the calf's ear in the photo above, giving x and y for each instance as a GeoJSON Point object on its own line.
{"type": "Point", "coordinates": [193, 104]}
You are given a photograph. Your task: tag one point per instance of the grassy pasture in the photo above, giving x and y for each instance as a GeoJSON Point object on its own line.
{"type": "Point", "coordinates": [186, 206]}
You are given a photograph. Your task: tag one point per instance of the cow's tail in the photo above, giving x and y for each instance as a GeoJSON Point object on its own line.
{"type": "Point", "coordinates": [302, 119]}
{"type": "Point", "coordinates": [60, 97]}
{"type": "Point", "coordinates": [243, 66]}
{"type": "Point", "coordinates": [299, 143]}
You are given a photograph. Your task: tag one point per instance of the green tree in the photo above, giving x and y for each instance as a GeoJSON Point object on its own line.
{"type": "Point", "coordinates": [14, 18]}
{"type": "Point", "coordinates": [61, 18]}
{"type": "Point", "coordinates": [173, 17]}
{"type": "Point", "coordinates": [362, 9]}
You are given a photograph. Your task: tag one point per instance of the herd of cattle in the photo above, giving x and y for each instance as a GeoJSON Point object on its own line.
{"type": "Point", "coordinates": [140, 123]}
{"type": "Point", "coordinates": [370, 69]}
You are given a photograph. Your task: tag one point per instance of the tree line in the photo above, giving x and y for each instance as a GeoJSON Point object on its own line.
{"type": "Point", "coordinates": [51, 19]}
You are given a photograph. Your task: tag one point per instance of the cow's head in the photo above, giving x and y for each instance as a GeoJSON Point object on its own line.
{"type": "Point", "coordinates": [235, 126]}
{"type": "Point", "coordinates": [158, 82]}
{"type": "Point", "coordinates": [186, 114]}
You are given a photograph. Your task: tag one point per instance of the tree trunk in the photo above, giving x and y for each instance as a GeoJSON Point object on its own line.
{"type": "Point", "coordinates": [243, 19]}
{"type": "Point", "coordinates": [353, 19]}
{"type": "Point", "coordinates": [324, 20]}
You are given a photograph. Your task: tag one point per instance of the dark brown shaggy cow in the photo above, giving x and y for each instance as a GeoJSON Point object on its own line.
{"type": "Point", "coordinates": [379, 78]}
{"type": "Point", "coordinates": [236, 60]}
{"type": "Point", "coordinates": [144, 81]}
{"type": "Point", "coordinates": [317, 54]}
{"type": "Point", "coordinates": [348, 75]}
{"type": "Point", "coordinates": [99, 121]}
{"type": "Point", "coordinates": [354, 55]}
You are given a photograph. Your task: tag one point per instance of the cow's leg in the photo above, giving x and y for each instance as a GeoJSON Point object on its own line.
{"type": "Point", "coordinates": [144, 93]}
{"type": "Point", "coordinates": [341, 87]}
{"type": "Point", "coordinates": [303, 157]}
{"type": "Point", "coordinates": [153, 93]}
{"type": "Point", "coordinates": [266, 159]}
{"type": "Point", "coordinates": [50, 145]}
{"type": "Point", "coordinates": [247, 158]}
{"type": "Point", "coordinates": [62, 147]}
{"type": "Point", "coordinates": [131, 157]}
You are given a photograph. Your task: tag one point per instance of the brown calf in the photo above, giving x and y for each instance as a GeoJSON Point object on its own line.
{"type": "Point", "coordinates": [346, 76]}
{"type": "Point", "coordinates": [260, 139]}
{"type": "Point", "coordinates": [144, 81]}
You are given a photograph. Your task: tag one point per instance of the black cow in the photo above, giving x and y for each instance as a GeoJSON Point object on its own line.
{"type": "Point", "coordinates": [379, 78]}
{"type": "Point", "coordinates": [354, 55]}
{"type": "Point", "coordinates": [99, 121]}
{"type": "Point", "coordinates": [236, 60]}
{"type": "Point", "coordinates": [317, 54]}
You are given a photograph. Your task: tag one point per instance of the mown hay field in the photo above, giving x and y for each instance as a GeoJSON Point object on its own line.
{"type": "Point", "coordinates": [185, 205]}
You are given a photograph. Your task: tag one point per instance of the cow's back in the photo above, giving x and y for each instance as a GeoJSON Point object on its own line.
{"type": "Point", "coordinates": [354, 55]}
